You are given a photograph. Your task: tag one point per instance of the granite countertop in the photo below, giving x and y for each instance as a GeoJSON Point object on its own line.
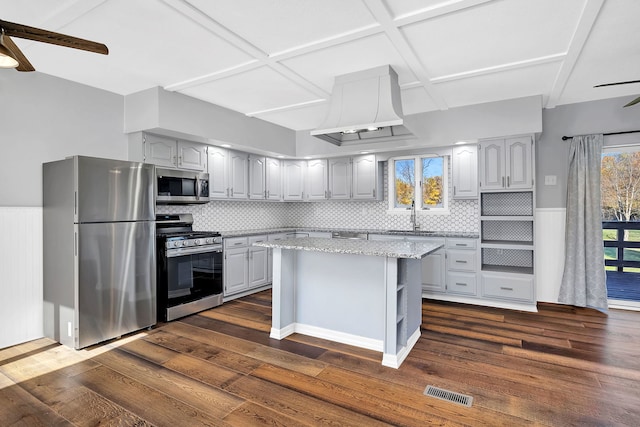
{"type": "Point", "coordinates": [414, 250]}
{"type": "Point", "coordinates": [420, 233]}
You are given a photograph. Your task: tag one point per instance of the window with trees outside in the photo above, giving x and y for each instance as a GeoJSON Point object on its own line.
{"type": "Point", "coordinates": [620, 191]}
{"type": "Point", "coordinates": [425, 176]}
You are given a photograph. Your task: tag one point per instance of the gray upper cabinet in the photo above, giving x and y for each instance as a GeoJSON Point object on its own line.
{"type": "Point", "coordinates": [228, 174]}
{"type": "Point", "coordinates": [506, 164]}
{"type": "Point", "coordinates": [238, 175]}
{"type": "Point", "coordinates": [168, 152]}
{"type": "Point", "coordinates": [365, 177]}
{"type": "Point", "coordinates": [340, 178]}
{"type": "Point", "coordinates": [257, 177]}
{"type": "Point", "coordinates": [464, 161]}
{"type": "Point", "coordinates": [317, 180]}
{"type": "Point", "coordinates": [293, 179]}
{"type": "Point", "coordinates": [218, 172]}
{"type": "Point", "coordinates": [273, 179]}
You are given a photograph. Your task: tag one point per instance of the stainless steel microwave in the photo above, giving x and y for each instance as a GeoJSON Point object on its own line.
{"type": "Point", "coordinates": [179, 187]}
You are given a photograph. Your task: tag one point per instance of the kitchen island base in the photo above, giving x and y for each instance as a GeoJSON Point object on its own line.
{"type": "Point", "coordinates": [373, 302]}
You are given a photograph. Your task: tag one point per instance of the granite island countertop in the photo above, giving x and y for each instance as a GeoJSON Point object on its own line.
{"type": "Point", "coordinates": [417, 233]}
{"type": "Point", "coordinates": [413, 250]}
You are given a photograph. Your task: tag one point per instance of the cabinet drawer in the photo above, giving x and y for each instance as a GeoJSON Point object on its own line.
{"type": "Point", "coordinates": [461, 243]}
{"type": "Point", "coordinates": [507, 286]}
{"type": "Point", "coordinates": [461, 283]}
{"type": "Point", "coordinates": [257, 239]}
{"type": "Point", "coordinates": [461, 260]}
{"type": "Point", "coordinates": [235, 242]}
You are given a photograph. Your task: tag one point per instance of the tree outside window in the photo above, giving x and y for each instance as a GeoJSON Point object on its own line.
{"type": "Point", "coordinates": [430, 186]}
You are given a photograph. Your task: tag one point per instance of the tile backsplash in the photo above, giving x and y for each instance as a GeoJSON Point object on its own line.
{"type": "Point", "coordinates": [227, 215]}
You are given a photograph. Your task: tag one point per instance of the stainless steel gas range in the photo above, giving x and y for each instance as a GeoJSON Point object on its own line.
{"type": "Point", "coordinates": [189, 267]}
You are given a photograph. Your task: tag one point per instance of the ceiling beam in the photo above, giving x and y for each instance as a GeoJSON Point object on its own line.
{"type": "Point", "coordinates": [500, 68]}
{"type": "Point", "coordinates": [382, 14]}
{"type": "Point", "coordinates": [440, 9]}
{"type": "Point", "coordinates": [580, 35]}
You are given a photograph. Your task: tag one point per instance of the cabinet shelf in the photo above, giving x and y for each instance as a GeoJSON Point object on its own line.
{"type": "Point", "coordinates": [507, 269]}
{"type": "Point", "coordinates": [506, 204]}
{"type": "Point", "coordinates": [507, 244]}
{"type": "Point", "coordinates": [506, 218]}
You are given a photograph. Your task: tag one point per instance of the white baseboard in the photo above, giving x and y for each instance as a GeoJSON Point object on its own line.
{"type": "Point", "coordinates": [395, 360]}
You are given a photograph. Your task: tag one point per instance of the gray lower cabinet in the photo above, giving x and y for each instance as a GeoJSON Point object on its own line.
{"type": "Point", "coordinates": [245, 266]}
{"type": "Point", "coordinates": [462, 267]}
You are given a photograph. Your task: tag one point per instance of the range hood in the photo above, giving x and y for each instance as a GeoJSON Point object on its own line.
{"type": "Point", "coordinates": [365, 107]}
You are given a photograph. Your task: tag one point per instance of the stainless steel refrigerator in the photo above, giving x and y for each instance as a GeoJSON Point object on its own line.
{"type": "Point", "coordinates": [99, 249]}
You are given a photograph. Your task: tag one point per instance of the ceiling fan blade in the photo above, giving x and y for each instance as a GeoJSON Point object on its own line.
{"type": "Point", "coordinates": [23, 62]}
{"type": "Point", "coordinates": [39, 35]}
{"type": "Point", "coordinates": [634, 102]}
{"type": "Point", "coordinates": [618, 83]}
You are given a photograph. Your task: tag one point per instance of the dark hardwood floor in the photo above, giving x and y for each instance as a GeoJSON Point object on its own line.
{"type": "Point", "coordinates": [561, 366]}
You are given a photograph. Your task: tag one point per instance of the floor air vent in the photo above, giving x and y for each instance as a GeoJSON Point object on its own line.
{"type": "Point", "coordinates": [449, 396]}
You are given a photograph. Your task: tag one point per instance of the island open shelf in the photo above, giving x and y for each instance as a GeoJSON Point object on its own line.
{"type": "Point", "coordinates": [362, 293]}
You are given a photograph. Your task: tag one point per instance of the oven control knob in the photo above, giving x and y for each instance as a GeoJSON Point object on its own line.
{"type": "Point", "coordinates": [185, 243]}
{"type": "Point", "coordinates": [209, 240]}
{"type": "Point", "coordinates": [196, 242]}
{"type": "Point", "coordinates": [176, 244]}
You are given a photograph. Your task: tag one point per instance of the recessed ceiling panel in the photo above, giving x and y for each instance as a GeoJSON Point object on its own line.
{"type": "Point", "coordinates": [611, 54]}
{"type": "Point", "coordinates": [277, 25]}
{"type": "Point", "coordinates": [34, 13]}
{"type": "Point", "coordinates": [303, 118]}
{"type": "Point", "coordinates": [322, 66]}
{"type": "Point", "coordinates": [536, 80]}
{"type": "Point", "coordinates": [149, 45]}
{"type": "Point", "coordinates": [251, 91]}
{"type": "Point", "coordinates": [493, 34]}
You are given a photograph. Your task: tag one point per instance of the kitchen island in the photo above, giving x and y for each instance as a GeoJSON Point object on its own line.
{"type": "Point", "coordinates": [358, 292]}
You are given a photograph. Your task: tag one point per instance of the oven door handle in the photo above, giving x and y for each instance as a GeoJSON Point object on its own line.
{"type": "Point", "coordinates": [172, 253]}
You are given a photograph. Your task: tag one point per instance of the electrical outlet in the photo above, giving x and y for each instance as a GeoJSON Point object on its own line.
{"type": "Point", "coordinates": [550, 180]}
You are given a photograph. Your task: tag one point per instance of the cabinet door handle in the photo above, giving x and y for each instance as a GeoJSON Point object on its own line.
{"type": "Point", "coordinates": [508, 181]}
{"type": "Point", "coordinates": [374, 193]}
{"type": "Point", "coordinates": [454, 190]}
{"type": "Point", "coordinates": [503, 181]}
{"type": "Point", "coordinates": [461, 261]}
{"type": "Point", "coordinates": [461, 244]}
{"type": "Point", "coordinates": [461, 284]}
{"type": "Point", "coordinates": [504, 288]}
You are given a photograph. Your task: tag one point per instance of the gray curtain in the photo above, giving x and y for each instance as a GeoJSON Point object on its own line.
{"type": "Point", "coordinates": [584, 282]}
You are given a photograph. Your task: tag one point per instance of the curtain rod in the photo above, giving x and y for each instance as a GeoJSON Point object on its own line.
{"type": "Point", "coordinates": [564, 138]}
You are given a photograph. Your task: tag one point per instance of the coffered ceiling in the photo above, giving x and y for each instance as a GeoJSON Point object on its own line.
{"type": "Point", "coordinates": [276, 59]}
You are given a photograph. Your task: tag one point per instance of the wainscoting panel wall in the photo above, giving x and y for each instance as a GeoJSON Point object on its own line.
{"type": "Point", "coordinates": [20, 275]}
{"type": "Point", "coordinates": [549, 262]}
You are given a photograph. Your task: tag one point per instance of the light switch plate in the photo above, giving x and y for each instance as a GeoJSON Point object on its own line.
{"type": "Point", "coordinates": [550, 180]}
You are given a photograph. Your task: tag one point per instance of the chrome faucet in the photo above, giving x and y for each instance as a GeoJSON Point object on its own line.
{"type": "Point", "coordinates": [414, 225]}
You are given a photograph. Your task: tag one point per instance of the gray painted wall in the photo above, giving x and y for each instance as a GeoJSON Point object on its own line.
{"type": "Point", "coordinates": [552, 154]}
{"type": "Point", "coordinates": [45, 118]}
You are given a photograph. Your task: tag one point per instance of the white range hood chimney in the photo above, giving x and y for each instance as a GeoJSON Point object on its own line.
{"type": "Point", "coordinates": [365, 107]}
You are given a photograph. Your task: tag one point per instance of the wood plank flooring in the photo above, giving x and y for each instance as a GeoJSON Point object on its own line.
{"type": "Point", "coordinates": [561, 366]}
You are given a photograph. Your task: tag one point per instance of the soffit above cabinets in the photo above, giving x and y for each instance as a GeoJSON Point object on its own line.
{"type": "Point", "coordinates": [276, 60]}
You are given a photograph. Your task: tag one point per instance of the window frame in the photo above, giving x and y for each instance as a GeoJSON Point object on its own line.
{"type": "Point", "coordinates": [417, 158]}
